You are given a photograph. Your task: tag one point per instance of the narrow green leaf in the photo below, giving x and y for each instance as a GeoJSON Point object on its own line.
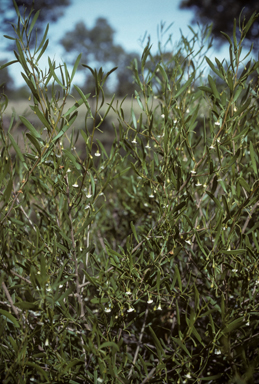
{"type": "Point", "coordinates": [227, 37]}
{"type": "Point", "coordinates": [30, 127]}
{"type": "Point", "coordinates": [177, 313]}
{"type": "Point", "coordinates": [75, 106]}
{"type": "Point", "coordinates": [44, 38]}
{"type": "Point", "coordinates": [27, 305]}
{"type": "Point", "coordinates": [186, 85]}
{"type": "Point", "coordinates": [34, 21]}
{"type": "Point", "coordinates": [196, 298]}
{"type": "Point", "coordinates": [178, 277]}
{"type": "Point", "coordinates": [213, 87]}
{"type": "Point", "coordinates": [122, 173]}
{"type": "Point", "coordinates": [40, 116]}
{"type": "Point", "coordinates": [10, 38]}
{"type": "Point", "coordinates": [252, 154]}
{"type": "Point", "coordinates": [16, 9]}
{"type": "Point", "coordinates": [215, 200]}
{"type": "Point", "coordinates": [233, 325]}
{"type": "Point", "coordinates": [10, 317]}
{"type": "Point", "coordinates": [9, 63]}
{"type": "Point", "coordinates": [21, 57]}
{"type": "Point", "coordinates": [242, 181]}
{"type": "Point", "coordinates": [68, 153]}
{"type": "Point", "coordinates": [38, 369]}
{"type": "Point", "coordinates": [242, 108]}
{"type": "Point", "coordinates": [179, 206]}
{"type": "Point", "coordinates": [212, 66]}
{"type": "Point", "coordinates": [250, 22]}
{"type": "Point", "coordinates": [109, 107]}
{"type": "Point", "coordinates": [8, 190]}
{"type": "Point", "coordinates": [102, 147]}
{"type": "Point", "coordinates": [84, 97]}
{"type": "Point", "coordinates": [158, 345]}
{"type": "Point", "coordinates": [196, 334]}
{"type": "Point", "coordinates": [211, 378]}
{"type": "Point", "coordinates": [17, 150]}
{"type": "Point", "coordinates": [233, 251]}
{"type": "Point", "coordinates": [200, 244]}
{"type": "Point", "coordinates": [139, 101]}
{"type": "Point", "coordinates": [181, 344]}
{"type": "Point", "coordinates": [66, 127]}
{"type": "Point", "coordinates": [110, 344]}
{"type": "Point", "coordinates": [212, 323]}
{"type": "Point", "coordinates": [134, 118]}
{"type": "Point", "coordinates": [31, 86]}
{"type": "Point", "coordinates": [205, 89]}
{"type": "Point", "coordinates": [134, 231]}
{"type": "Point", "coordinates": [135, 169]}
{"type": "Point", "coordinates": [34, 142]}
{"type": "Point", "coordinates": [45, 46]}
{"type": "Point", "coordinates": [52, 71]}
{"type": "Point", "coordinates": [163, 73]}
{"type": "Point", "coordinates": [222, 306]}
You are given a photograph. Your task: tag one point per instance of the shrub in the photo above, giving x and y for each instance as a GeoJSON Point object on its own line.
{"type": "Point", "coordinates": [137, 265]}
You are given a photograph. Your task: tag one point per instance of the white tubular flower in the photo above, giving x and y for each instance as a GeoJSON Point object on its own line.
{"type": "Point", "coordinates": [134, 141]}
{"type": "Point", "coordinates": [97, 154]}
{"type": "Point", "coordinates": [163, 116]}
{"type": "Point", "coordinates": [130, 309]}
{"type": "Point", "coordinates": [75, 185]}
{"type": "Point", "coordinates": [217, 123]}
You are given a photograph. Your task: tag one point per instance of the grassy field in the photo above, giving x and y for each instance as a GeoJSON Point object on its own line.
{"type": "Point", "coordinates": [22, 108]}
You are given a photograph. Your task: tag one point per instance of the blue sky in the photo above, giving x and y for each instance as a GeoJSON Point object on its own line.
{"type": "Point", "coordinates": [129, 18]}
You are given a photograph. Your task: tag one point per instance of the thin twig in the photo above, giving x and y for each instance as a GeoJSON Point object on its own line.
{"type": "Point", "coordinates": [137, 350]}
{"type": "Point", "coordinates": [22, 278]}
{"type": "Point", "coordinates": [15, 310]}
{"type": "Point", "coordinates": [149, 376]}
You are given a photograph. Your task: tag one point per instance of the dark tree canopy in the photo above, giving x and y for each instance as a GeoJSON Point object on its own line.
{"type": "Point", "coordinates": [49, 11]}
{"type": "Point", "coordinates": [222, 14]}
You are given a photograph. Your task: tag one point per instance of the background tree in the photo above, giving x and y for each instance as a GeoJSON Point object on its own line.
{"type": "Point", "coordinates": [49, 11]}
{"type": "Point", "coordinates": [99, 49]}
{"type": "Point", "coordinates": [222, 13]}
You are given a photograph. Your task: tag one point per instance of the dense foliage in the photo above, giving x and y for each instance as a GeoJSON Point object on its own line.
{"type": "Point", "coordinates": [137, 264]}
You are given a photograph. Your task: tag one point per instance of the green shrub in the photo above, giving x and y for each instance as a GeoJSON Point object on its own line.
{"type": "Point", "coordinates": [137, 265]}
